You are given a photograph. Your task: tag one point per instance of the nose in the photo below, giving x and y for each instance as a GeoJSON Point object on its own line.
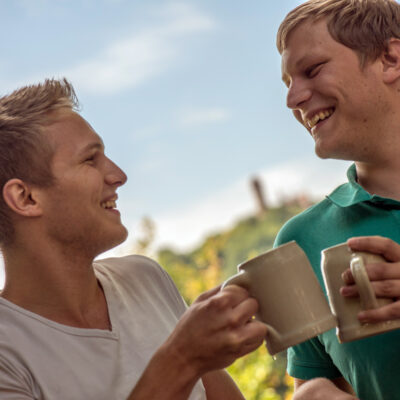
{"type": "Point", "coordinates": [114, 175]}
{"type": "Point", "coordinates": [298, 94]}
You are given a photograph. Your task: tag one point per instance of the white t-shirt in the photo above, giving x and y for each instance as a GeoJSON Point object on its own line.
{"type": "Point", "coordinates": [41, 359]}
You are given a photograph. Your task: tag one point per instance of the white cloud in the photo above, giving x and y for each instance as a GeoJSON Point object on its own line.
{"type": "Point", "coordinates": [133, 60]}
{"type": "Point", "coordinates": [200, 116]}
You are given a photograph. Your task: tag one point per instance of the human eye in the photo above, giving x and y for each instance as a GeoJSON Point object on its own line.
{"type": "Point", "coordinates": [90, 159]}
{"type": "Point", "coordinates": [313, 70]}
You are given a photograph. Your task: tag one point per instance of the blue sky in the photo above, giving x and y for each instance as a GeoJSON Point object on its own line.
{"type": "Point", "coordinates": [186, 95]}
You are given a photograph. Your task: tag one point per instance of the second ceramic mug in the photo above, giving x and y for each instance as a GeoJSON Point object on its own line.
{"type": "Point", "coordinates": [291, 300]}
{"type": "Point", "coordinates": [335, 260]}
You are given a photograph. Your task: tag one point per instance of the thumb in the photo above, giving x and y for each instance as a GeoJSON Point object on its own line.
{"type": "Point", "coordinates": [209, 293]}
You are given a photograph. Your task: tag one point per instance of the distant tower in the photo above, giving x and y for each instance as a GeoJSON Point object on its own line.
{"type": "Point", "coordinates": [257, 188]}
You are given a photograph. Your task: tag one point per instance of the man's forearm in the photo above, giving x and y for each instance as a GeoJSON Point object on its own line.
{"type": "Point", "coordinates": [214, 331]}
{"type": "Point", "coordinates": [166, 378]}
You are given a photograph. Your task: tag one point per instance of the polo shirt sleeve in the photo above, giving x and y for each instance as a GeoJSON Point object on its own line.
{"type": "Point", "coordinates": [309, 360]}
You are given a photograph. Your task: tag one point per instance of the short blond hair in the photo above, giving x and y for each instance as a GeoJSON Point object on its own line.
{"type": "Point", "coordinates": [365, 26]}
{"type": "Point", "coordinates": [25, 153]}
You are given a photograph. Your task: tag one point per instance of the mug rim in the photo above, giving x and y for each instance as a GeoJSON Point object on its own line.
{"type": "Point", "coordinates": [290, 243]}
{"type": "Point", "coordinates": [338, 245]}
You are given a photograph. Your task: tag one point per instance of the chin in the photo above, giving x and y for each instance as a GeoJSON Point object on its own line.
{"type": "Point", "coordinates": [333, 155]}
{"type": "Point", "coordinates": [120, 237]}
{"type": "Point", "coordinates": [114, 240]}
{"type": "Point", "coordinates": [322, 154]}
{"type": "Point", "coordinates": [325, 152]}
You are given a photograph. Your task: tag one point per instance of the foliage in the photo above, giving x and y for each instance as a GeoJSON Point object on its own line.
{"type": "Point", "coordinates": [258, 375]}
{"type": "Point", "coordinates": [146, 234]}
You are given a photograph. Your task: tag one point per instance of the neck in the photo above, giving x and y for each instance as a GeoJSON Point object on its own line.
{"type": "Point", "coordinates": [56, 286]}
{"type": "Point", "coordinates": [382, 180]}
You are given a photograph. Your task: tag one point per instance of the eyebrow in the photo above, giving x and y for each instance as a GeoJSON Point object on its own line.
{"type": "Point", "coordinates": [305, 59]}
{"type": "Point", "coordinates": [94, 145]}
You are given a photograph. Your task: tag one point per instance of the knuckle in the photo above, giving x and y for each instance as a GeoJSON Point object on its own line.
{"type": "Point", "coordinates": [233, 341]}
{"type": "Point", "coordinates": [253, 306]}
{"type": "Point", "coordinates": [234, 320]}
{"type": "Point", "coordinates": [235, 291]}
{"type": "Point", "coordinates": [208, 294]}
{"type": "Point", "coordinates": [391, 312]}
{"type": "Point", "coordinates": [214, 303]}
{"type": "Point", "coordinates": [386, 288]}
{"type": "Point", "coordinates": [218, 302]}
{"type": "Point", "coordinates": [388, 244]}
{"type": "Point", "coordinates": [377, 271]}
{"type": "Point", "coordinates": [201, 297]}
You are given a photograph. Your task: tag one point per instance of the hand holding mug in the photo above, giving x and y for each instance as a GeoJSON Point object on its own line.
{"type": "Point", "coordinates": [341, 264]}
{"type": "Point", "coordinates": [384, 276]}
{"type": "Point", "coordinates": [291, 301]}
{"type": "Point", "coordinates": [217, 329]}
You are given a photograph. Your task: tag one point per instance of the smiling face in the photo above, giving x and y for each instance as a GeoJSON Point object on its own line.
{"type": "Point", "coordinates": [79, 210]}
{"type": "Point", "coordinates": [341, 105]}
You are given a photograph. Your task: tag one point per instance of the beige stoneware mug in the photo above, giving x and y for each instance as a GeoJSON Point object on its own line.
{"type": "Point", "coordinates": [335, 260]}
{"type": "Point", "coordinates": [291, 301]}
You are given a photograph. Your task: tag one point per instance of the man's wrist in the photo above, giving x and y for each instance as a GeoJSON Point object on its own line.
{"type": "Point", "coordinates": [180, 368]}
{"type": "Point", "coordinates": [174, 377]}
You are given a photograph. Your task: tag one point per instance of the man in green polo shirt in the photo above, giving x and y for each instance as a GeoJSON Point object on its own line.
{"type": "Point", "coordinates": [341, 64]}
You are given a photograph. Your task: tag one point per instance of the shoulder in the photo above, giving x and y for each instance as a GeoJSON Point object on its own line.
{"type": "Point", "coordinates": [307, 223]}
{"type": "Point", "coordinates": [133, 265]}
{"type": "Point", "coordinates": [138, 274]}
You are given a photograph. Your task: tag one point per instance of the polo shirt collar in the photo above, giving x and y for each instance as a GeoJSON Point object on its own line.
{"type": "Point", "coordinates": [352, 193]}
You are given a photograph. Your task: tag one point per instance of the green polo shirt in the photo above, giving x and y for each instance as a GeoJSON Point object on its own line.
{"type": "Point", "coordinates": [370, 365]}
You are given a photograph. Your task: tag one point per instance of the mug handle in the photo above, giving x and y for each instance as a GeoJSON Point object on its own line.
{"type": "Point", "coordinates": [367, 294]}
{"type": "Point", "coordinates": [242, 279]}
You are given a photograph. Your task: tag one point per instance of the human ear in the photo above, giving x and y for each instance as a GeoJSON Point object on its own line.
{"type": "Point", "coordinates": [20, 197]}
{"type": "Point", "coordinates": [391, 61]}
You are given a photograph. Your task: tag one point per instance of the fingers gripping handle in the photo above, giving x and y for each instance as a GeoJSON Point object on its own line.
{"type": "Point", "coordinates": [242, 279]}
{"type": "Point", "coordinates": [367, 294]}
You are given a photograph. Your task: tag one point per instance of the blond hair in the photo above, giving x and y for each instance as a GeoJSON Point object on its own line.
{"type": "Point", "coordinates": [25, 153]}
{"type": "Point", "coordinates": [364, 26]}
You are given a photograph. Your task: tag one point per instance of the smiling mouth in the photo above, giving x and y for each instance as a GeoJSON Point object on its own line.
{"type": "Point", "coordinates": [319, 117]}
{"type": "Point", "coordinates": [109, 205]}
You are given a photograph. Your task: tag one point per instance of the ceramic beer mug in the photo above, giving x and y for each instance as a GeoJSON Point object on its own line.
{"type": "Point", "coordinates": [291, 301]}
{"type": "Point", "coordinates": [335, 260]}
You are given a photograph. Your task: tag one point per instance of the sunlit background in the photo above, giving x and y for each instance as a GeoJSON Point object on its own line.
{"type": "Point", "coordinates": [187, 97]}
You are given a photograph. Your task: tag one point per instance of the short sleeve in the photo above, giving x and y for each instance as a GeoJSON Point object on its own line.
{"type": "Point", "coordinates": [309, 360]}
{"type": "Point", "coordinates": [13, 385]}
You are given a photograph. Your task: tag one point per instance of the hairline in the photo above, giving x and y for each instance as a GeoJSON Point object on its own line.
{"type": "Point", "coordinates": [283, 41]}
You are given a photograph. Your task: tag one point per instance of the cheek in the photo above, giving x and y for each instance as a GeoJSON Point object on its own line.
{"type": "Point", "coordinates": [297, 115]}
{"type": "Point", "coordinates": [88, 185]}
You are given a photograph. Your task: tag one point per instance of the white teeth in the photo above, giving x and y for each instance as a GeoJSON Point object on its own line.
{"type": "Point", "coordinates": [109, 204]}
{"type": "Point", "coordinates": [319, 117]}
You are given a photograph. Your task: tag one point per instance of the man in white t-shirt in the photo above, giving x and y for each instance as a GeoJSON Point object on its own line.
{"type": "Point", "coordinates": [72, 328]}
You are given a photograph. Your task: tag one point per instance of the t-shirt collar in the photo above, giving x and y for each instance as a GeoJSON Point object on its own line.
{"type": "Point", "coordinates": [352, 193]}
